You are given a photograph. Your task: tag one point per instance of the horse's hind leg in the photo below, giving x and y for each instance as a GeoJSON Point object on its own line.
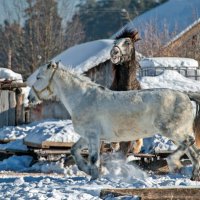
{"type": "Point", "coordinates": [194, 155]}
{"type": "Point", "coordinates": [173, 160]}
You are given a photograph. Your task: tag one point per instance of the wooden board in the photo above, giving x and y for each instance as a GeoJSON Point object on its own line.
{"type": "Point", "coordinates": [155, 193]}
{"type": "Point", "coordinates": [12, 110]}
{"type": "Point", "coordinates": [49, 144]}
{"type": "Point", "coordinates": [4, 107]}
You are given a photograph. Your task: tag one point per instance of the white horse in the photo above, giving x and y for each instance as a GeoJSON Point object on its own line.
{"type": "Point", "coordinates": [101, 114]}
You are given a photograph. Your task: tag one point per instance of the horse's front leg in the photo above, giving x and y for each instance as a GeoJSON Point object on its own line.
{"type": "Point", "coordinates": [94, 152]}
{"type": "Point", "coordinates": [76, 153]}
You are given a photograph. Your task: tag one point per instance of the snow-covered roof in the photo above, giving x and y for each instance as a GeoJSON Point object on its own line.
{"type": "Point", "coordinates": [173, 62]}
{"type": "Point", "coordinates": [8, 74]}
{"type": "Point", "coordinates": [177, 15]}
{"type": "Point", "coordinates": [81, 57]}
{"type": "Point", "coordinates": [85, 56]}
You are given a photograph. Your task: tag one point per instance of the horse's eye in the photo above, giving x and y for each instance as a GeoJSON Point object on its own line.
{"type": "Point", "coordinates": [127, 43]}
{"type": "Point", "coordinates": [38, 77]}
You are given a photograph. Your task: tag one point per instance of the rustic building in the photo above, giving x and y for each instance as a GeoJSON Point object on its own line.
{"type": "Point", "coordinates": [12, 109]}
{"type": "Point", "coordinates": [185, 44]}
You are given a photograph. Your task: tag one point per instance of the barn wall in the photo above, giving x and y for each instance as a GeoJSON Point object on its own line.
{"type": "Point", "coordinates": [12, 111]}
{"type": "Point", "coordinates": [187, 45]}
{"type": "Point", "coordinates": [102, 74]}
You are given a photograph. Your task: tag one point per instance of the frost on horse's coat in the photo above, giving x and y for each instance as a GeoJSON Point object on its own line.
{"type": "Point", "coordinates": [101, 114]}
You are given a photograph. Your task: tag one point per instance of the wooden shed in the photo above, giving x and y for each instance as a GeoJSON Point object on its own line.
{"type": "Point", "coordinates": [12, 110]}
{"type": "Point", "coordinates": [185, 44]}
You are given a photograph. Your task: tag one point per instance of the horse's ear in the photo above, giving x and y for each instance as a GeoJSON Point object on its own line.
{"type": "Point", "coordinates": [57, 63]}
{"type": "Point", "coordinates": [49, 65]}
{"type": "Point", "coordinates": [135, 36]}
{"type": "Point", "coordinates": [52, 65]}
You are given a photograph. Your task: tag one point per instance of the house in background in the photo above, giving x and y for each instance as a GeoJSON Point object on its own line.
{"type": "Point", "coordinates": [186, 43]}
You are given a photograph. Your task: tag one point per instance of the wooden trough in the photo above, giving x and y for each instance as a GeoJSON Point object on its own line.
{"type": "Point", "coordinates": [183, 193]}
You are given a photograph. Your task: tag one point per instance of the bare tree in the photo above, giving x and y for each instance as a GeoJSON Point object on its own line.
{"type": "Point", "coordinates": [153, 39]}
{"type": "Point", "coordinates": [74, 33]}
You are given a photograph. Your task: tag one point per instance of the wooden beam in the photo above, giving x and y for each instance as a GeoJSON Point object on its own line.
{"type": "Point", "coordinates": [184, 193]}
{"type": "Point", "coordinates": [10, 86]}
{"type": "Point", "coordinates": [48, 144]}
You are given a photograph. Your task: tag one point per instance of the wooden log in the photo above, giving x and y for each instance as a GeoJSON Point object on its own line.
{"type": "Point", "coordinates": [4, 107]}
{"type": "Point", "coordinates": [11, 86]}
{"type": "Point", "coordinates": [183, 193]}
{"type": "Point", "coordinates": [12, 105]}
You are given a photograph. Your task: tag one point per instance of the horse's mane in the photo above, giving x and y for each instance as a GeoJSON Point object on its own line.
{"type": "Point", "coordinates": [63, 71]}
{"type": "Point", "coordinates": [126, 32]}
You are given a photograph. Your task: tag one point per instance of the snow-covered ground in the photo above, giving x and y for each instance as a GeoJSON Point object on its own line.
{"type": "Point", "coordinates": [51, 180]}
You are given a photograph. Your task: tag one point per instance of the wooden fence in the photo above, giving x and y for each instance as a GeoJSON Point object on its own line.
{"type": "Point", "coordinates": [155, 71]}
{"type": "Point", "coordinates": [12, 110]}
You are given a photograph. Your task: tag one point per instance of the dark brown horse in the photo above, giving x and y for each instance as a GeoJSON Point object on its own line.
{"type": "Point", "coordinates": [125, 67]}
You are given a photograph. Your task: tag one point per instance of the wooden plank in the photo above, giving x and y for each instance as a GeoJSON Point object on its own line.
{"type": "Point", "coordinates": [4, 107]}
{"type": "Point", "coordinates": [49, 144]}
{"type": "Point", "coordinates": [12, 105]}
{"type": "Point", "coordinates": [11, 86]}
{"type": "Point", "coordinates": [155, 193]}
{"type": "Point", "coordinates": [55, 151]}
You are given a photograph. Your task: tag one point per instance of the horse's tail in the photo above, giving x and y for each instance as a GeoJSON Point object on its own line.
{"type": "Point", "coordinates": [196, 125]}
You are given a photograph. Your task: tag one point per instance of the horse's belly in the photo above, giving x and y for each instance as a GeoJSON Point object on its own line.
{"type": "Point", "coordinates": [130, 129]}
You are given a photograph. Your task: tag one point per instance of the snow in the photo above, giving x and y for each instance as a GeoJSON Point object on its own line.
{"type": "Point", "coordinates": [172, 62]}
{"type": "Point", "coordinates": [52, 131]}
{"type": "Point", "coordinates": [7, 74]}
{"type": "Point", "coordinates": [170, 79]}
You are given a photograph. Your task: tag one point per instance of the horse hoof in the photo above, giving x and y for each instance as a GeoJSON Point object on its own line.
{"type": "Point", "coordinates": [195, 178]}
{"type": "Point", "coordinates": [94, 172]}
{"type": "Point", "coordinates": [174, 166]}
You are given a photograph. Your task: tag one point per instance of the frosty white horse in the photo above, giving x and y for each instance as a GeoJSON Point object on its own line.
{"type": "Point", "coordinates": [101, 114]}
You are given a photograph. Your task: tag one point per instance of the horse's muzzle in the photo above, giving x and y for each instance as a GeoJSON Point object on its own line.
{"type": "Point", "coordinates": [115, 55]}
{"type": "Point", "coordinates": [32, 98]}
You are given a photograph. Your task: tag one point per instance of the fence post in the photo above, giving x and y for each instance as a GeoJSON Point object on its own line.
{"type": "Point", "coordinates": [19, 107]}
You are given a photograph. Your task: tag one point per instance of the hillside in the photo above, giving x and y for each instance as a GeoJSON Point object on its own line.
{"type": "Point", "coordinates": [175, 14]}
